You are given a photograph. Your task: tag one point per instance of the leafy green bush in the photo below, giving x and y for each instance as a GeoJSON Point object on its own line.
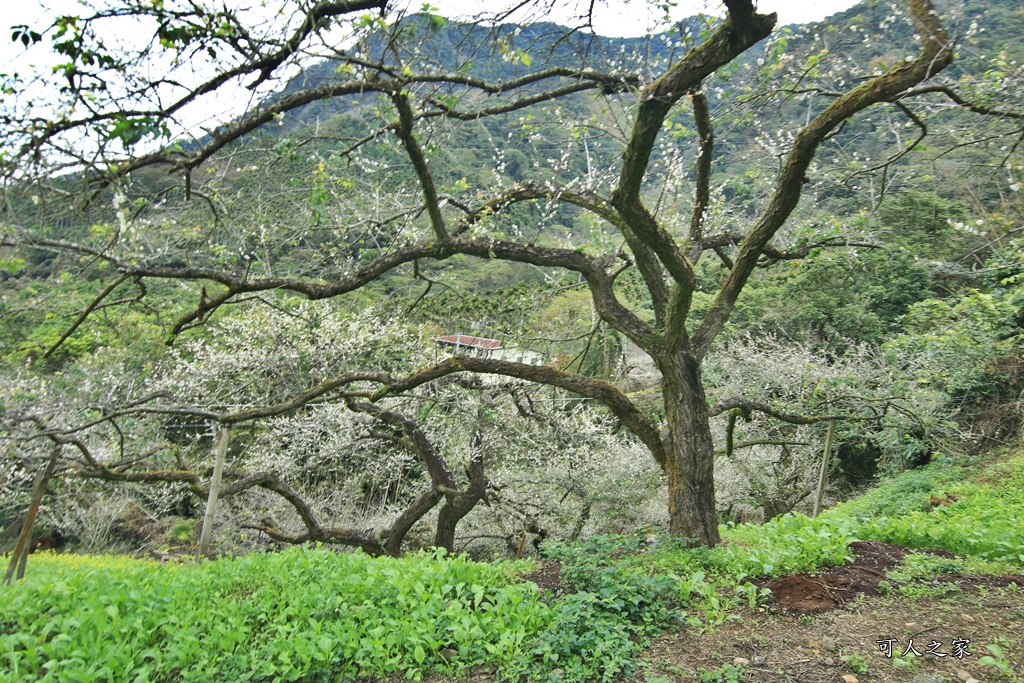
{"type": "Point", "coordinates": [588, 640]}
{"type": "Point", "coordinates": [598, 630]}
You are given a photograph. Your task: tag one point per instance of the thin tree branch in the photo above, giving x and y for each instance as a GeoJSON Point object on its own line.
{"type": "Point", "coordinates": [419, 164]}
{"type": "Point", "coordinates": [961, 102]}
{"type": "Point", "coordinates": [791, 418]}
{"type": "Point", "coordinates": [85, 314]}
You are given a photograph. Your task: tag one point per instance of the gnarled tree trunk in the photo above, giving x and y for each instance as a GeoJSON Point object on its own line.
{"type": "Point", "coordinates": [458, 504]}
{"type": "Point", "coordinates": [690, 451]}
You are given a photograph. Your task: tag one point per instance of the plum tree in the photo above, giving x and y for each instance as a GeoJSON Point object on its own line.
{"type": "Point", "coordinates": [378, 205]}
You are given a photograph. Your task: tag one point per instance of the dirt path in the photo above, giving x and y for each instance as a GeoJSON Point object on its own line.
{"type": "Point", "coordinates": [827, 628]}
{"type": "Point", "coordinates": [823, 648]}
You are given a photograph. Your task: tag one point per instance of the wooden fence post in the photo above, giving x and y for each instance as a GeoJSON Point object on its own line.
{"type": "Point", "coordinates": [211, 502]}
{"type": "Point", "coordinates": [823, 476]}
{"type": "Point", "coordinates": [20, 555]}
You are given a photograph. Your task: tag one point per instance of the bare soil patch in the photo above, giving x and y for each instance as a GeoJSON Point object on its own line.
{"type": "Point", "coordinates": [548, 577]}
{"type": "Point", "coordinates": [806, 594]}
{"type": "Point", "coordinates": [782, 647]}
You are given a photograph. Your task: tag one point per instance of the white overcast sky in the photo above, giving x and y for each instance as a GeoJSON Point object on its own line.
{"type": "Point", "coordinates": [612, 17]}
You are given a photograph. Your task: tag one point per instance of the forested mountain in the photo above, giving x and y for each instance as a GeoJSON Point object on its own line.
{"type": "Point", "coordinates": [943, 186]}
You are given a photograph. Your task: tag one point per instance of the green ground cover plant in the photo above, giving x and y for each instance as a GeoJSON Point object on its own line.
{"type": "Point", "coordinates": [935, 507]}
{"type": "Point", "coordinates": [598, 630]}
{"type": "Point", "coordinates": [304, 614]}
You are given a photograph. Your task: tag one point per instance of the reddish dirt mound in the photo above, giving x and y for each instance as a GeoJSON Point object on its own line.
{"type": "Point", "coordinates": [805, 594]}
{"type": "Point", "coordinates": [802, 594]}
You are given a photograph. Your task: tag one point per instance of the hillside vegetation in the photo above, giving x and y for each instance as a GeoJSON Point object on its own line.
{"type": "Point", "coordinates": [313, 614]}
{"type": "Point", "coordinates": [716, 278]}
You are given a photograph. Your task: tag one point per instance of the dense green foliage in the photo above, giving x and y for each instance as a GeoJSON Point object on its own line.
{"type": "Point", "coordinates": [307, 614]}
{"type": "Point", "coordinates": [935, 508]}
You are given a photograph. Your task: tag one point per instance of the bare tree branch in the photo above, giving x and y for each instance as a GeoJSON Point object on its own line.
{"type": "Point", "coordinates": [624, 409]}
{"type": "Point", "coordinates": [936, 54]}
{"type": "Point", "coordinates": [85, 314]}
{"type": "Point", "coordinates": [961, 102]}
{"type": "Point", "coordinates": [792, 418]}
